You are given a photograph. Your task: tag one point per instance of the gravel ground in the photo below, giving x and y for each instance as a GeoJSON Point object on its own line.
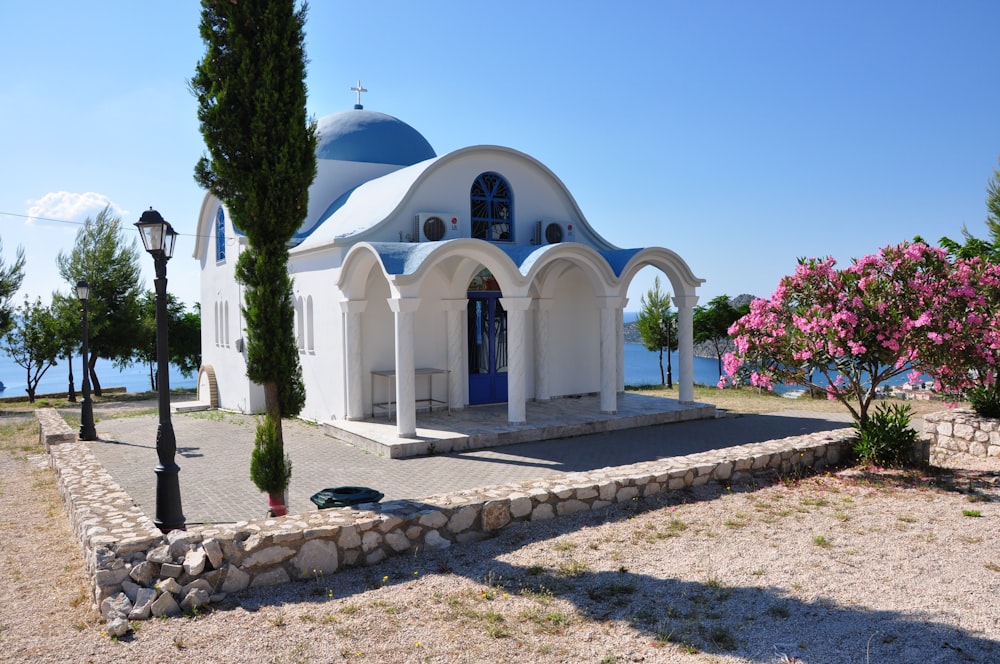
{"type": "Point", "coordinates": [852, 566]}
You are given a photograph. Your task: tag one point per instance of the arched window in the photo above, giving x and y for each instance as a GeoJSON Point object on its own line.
{"type": "Point", "coordinates": [492, 208]}
{"type": "Point", "coordinates": [220, 235]}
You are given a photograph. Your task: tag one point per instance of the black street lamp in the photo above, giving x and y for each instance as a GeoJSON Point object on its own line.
{"type": "Point", "coordinates": [158, 237]}
{"type": "Point", "coordinates": [87, 430]}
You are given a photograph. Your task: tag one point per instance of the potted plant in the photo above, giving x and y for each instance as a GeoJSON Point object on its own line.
{"type": "Point", "coordinates": [270, 467]}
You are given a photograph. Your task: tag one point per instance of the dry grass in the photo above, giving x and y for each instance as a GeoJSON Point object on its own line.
{"type": "Point", "coordinates": [750, 400]}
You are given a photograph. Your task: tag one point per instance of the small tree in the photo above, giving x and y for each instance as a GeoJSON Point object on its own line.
{"type": "Point", "coordinates": [183, 329]}
{"type": "Point", "coordinates": [270, 467]}
{"type": "Point", "coordinates": [103, 258]}
{"type": "Point", "coordinates": [657, 326]}
{"type": "Point", "coordinates": [711, 324]}
{"type": "Point", "coordinates": [33, 342]}
{"type": "Point", "coordinates": [11, 277]}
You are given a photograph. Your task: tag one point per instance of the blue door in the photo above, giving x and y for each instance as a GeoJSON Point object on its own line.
{"type": "Point", "coordinates": [487, 349]}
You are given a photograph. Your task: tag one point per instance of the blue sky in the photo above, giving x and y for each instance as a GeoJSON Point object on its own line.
{"type": "Point", "coordinates": [740, 134]}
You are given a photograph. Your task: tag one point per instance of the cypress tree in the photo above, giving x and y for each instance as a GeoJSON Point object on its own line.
{"type": "Point", "coordinates": [261, 160]}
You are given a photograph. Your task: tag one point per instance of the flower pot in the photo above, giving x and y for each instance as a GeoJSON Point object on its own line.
{"type": "Point", "coordinates": [276, 502]}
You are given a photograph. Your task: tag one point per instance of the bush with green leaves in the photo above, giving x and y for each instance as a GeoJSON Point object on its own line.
{"type": "Point", "coordinates": [985, 400]}
{"type": "Point", "coordinates": [886, 439]}
{"type": "Point", "coordinates": [270, 467]}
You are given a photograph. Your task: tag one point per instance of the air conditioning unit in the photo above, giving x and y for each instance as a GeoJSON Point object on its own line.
{"type": "Point", "coordinates": [554, 233]}
{"type": "Point", "coordinates": [435, 226]}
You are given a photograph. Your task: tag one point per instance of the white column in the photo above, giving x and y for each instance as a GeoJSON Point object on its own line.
{"type": "Point", "coordinates": [620, 345]}
{"type": "Point", "coordinates": [354, 380]}
{"type": "Point", "coordinates": [455, 310]}
{"type": "Point", "coordinates": [685, 346]}
{"type": "Point", "coordinates": [609, 354]}
{"type": "Point", "coordinates": [516, 357]}
{"type": "Point", "coordinates": [406, 405]}
{"type": "Point", "coordinates": [543, 316]}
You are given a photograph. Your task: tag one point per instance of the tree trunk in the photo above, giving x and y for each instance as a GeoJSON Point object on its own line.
{"type": "Point", "coordinates": [95, 384]}
{"type": "Point", "coordinates": [71, 397]}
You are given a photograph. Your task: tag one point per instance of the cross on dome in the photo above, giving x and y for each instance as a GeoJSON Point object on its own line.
{"type": "Point", "coordinates": [359, 89]}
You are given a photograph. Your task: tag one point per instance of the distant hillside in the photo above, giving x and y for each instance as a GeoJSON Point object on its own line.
{"type": "Point", "coordinates": [632, 335]}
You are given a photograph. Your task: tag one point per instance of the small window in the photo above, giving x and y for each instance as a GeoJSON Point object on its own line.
{"type": "Point", "coordinates": [492, 208]}
{"type": "Point", "coordinates": [220, 235]}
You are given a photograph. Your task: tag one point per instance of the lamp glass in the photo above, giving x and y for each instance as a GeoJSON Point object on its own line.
{"type": "Point", "coordinates": [170, 240]}
{"type": "Point", "coordinates": [82, 289]}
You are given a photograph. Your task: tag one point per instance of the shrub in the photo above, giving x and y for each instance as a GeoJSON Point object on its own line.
{"type": "Point", "coordinates": [985, 400]}
{"type": "Point", "coordinates": [270, 467]}
{"type": "Point", "coordinates": [886, 438]}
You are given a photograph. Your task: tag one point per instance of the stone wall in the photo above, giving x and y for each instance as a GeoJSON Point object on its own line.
{"type": "Point", "coordinates": [138, 573]}
{"type": "Point", "coordinates": [961, 431]}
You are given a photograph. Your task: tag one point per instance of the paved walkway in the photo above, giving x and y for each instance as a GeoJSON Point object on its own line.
{"type": "Point", "coordinates": [214, 458]}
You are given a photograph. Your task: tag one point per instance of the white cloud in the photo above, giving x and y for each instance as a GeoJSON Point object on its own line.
{"type": "Point", "coordinates": [69, 206]}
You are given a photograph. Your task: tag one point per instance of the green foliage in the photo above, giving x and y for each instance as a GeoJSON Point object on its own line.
{"type": "Point", "coordinates": [985, 400]}
{"type": "Point", "coordinates": [885, 438]}
{"type": "Point", "coordinates": [33, 342]}
{"type": "Point", "coordinates": [656, 325]}
{"type": "Point", "coordinates": [270, 467]}
{"type": "Point", "coordinates": [183, 333]}
{"type": "Point", "coordinates": [711, 324]}
{"type": "Point", "coordinates": [11, 277]}
{"type": "Point", "coordinates": [110, 265]}
{"type": "Point", "coordinates": [251, 96]}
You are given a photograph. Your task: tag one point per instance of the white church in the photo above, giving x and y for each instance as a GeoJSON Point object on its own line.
{"type": "Point", "coordinates": [426, 281]}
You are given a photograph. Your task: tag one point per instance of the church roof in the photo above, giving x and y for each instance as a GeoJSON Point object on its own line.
{"type": "Point", "coordinates": [371, 137]}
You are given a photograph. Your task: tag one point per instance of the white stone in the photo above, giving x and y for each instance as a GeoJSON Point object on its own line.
{"type": "Point", "coordinates": [543, 512]}
{"type": "Point", "coordinates": [165, 605]}
{"type": "Point", "coordinates": [118, 626]}
{"type": "Point", "coordinates": [435, 542]}
{"type": "Point", "coordinates": [236, 580]}
{"type": "Point", "coordinates": [349, 538]}
{"type": "Point", "coordinates": [269, 556]}
{"type": "Point", "coordinates": [195, 599]}
{"type": "Point", "coordinates": [370, 541]}
{"type": "Point", "coordinates": [214, 552]}
{"type": "Point", "coordinates": [626, 493]}
{"type": "Point", "coordinates": [571, 507]}
{"type": "Point", "coordinates": [144, 572]}
{"type": "Point", "coordinates": [272, 577]}
{"type": "Point", "coordinates": [462, 519]}
{"type": "Point", "coordinates": [116, 605]}
{"type": "Point", "coordinates": [434, 519]}
{"type": "Point", "coordinates": [169, 585]}
{"type": "Point", "coordinates": [194, 562]}
{"type": "Point", "coordinates": [397, 540]}
{"type": "Point", "coordinates": [142, 606]}
{"type": "Point", "coordinates": [520, 507]}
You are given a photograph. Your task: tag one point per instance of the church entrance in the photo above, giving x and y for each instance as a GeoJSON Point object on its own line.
{"type": "Point", "coordinates": [487, 342]}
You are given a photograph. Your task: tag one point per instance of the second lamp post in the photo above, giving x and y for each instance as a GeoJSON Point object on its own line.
{"type": "Point", "coordinates": [158, 237]}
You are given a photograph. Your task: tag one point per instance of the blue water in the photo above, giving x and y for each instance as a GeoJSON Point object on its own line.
{"type": "Point", "coordinates": [641, 368]}
{"type": "Point", "coordinates": [56, 379]}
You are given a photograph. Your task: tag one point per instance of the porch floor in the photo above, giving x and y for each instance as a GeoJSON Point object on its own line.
{"type": "Point", "coordinates": [475, 427]}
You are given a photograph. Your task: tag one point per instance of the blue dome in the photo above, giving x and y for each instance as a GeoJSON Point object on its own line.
{"type": "Point", "coordinates": [371, 137]}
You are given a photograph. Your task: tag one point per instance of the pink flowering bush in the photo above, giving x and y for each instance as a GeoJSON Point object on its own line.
{"type": "Point", "coordinates": [908, 308]}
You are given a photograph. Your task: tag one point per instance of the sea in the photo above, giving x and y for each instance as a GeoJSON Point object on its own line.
{"type": "Point", "coordinates": [56, 378]}
{"type": "Point", "coordinates": [641, 368]}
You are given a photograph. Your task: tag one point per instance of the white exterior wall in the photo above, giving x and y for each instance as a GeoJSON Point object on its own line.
{"type": "Point", "coordinates": [220, 333]}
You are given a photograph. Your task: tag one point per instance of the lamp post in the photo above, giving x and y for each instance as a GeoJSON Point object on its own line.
{"type": "Point", "coordinates": [87, 430]}
{"type": "Point", "coordinates": [158, 237]}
